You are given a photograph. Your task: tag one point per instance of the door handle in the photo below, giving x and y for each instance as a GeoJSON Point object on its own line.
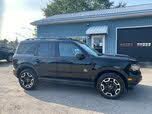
{"type": "Point", "coordinates": [37, 60]}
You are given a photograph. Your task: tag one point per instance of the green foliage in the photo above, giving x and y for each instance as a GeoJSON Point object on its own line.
{"type": "Point", "coordinates": [70, 6]}
{"type": "Point", "coordinates": [11, 44]}
{"type": "Point", "coordinates": [121, 4]}
{"type": "Point", "coordinates": [3, 43]}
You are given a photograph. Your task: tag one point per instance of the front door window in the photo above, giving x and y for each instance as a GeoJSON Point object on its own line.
{"type": "Point", "coordinates": [68, 49]}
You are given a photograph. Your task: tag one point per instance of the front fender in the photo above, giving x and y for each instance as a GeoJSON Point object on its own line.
{"type": "Point", "coordinates": [115, 69]}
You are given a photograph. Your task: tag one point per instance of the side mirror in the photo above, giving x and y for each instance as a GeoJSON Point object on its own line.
{"type": "Point", "coordinates": [80, 56]}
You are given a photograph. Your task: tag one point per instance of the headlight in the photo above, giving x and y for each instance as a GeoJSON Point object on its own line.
{"type": "Point", "coordinates": [135, 67]}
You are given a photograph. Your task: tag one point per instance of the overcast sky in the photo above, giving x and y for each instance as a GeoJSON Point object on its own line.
{"type": "Point", "coordinates": [16, 16]}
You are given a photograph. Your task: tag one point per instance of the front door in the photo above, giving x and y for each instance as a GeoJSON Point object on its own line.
{"type": "Point", "coordinates": [98, 43]}
{"type": "Point", "coordinates": [68, 65]}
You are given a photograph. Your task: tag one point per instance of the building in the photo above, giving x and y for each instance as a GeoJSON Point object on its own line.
{"type": "Point", "coordinates": [112, 31]}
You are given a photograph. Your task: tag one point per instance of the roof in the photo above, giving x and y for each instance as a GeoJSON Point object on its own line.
{"type": "Point", "coordinates": [106, 14]}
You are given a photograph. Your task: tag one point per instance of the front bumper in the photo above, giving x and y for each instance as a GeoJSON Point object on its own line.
{"type": "Point", "coordinates": [136, 78]}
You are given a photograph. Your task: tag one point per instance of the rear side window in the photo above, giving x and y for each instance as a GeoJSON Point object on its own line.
{"type": "Point", "coordinates": [52, 49]}
{"type": "Point", "coordinates": [46, 49]}
{"type": "Point", "coordinates": [26, 48]}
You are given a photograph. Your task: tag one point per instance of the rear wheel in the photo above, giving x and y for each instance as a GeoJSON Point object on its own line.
{"type": "Point", "coordinates": [28, 79]}
{"type": "Point", "coordinates": [111, 86]}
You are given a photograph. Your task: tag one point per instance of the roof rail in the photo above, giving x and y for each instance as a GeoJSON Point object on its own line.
{"type": "Point", "coordinates": [31, 39]}
{"type": "Point", "coordinates": [49, 38]}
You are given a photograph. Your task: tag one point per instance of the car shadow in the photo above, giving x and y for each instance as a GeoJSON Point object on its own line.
{"type": "Point", "coordinates": [88, 98]}
{"type": "Point", "coordinates": [4, 63]}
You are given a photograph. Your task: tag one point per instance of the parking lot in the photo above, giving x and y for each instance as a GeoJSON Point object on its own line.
{"type": "Point", "coordinates": [51, 98]}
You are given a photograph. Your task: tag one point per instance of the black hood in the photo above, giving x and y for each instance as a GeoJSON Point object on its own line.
{"type": "Point", "coordinates": [119, 57]}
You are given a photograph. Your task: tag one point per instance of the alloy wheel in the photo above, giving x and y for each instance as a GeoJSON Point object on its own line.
{"type": "Point", "coordinates": [110, 87]}
{"type": "Point", "coordinates": [27, 80]}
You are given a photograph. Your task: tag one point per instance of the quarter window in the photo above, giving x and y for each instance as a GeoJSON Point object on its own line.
{"type": "Point", "coordinates": [68, 49]}
{"type": "Point", "coordinates": [26, 48]}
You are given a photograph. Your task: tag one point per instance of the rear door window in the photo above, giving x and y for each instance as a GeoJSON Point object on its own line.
{"type": "Point", "coordinates": [46, 49]}
{"type": "Point", "coordinates": [52, 49]}
{"type": "Point", "coordinates": [43, 50]}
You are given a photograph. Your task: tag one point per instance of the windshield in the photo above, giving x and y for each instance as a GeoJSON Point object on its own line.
{"type": "Point", "coordinates": [90, 50]}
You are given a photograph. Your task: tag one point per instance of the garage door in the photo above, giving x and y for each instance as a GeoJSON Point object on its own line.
{"type": "Point", "coordinates": [135, 42]}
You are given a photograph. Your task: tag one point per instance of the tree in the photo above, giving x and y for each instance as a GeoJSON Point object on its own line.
{"type": "Point", "coordinates": [70, 6]}
{"type": "Point", "coordinates": [10, 44]}
{"type": "Point", "coordinates": [121, 4]}
{"type": "Point", "coordinates": [3, 43]}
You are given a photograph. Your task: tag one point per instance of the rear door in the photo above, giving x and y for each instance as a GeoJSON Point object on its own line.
{"type": "Point", "coordinates": [45, 59]}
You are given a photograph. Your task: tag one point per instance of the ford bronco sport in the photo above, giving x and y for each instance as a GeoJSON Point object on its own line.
{"type": "Point", "coordinates": [74, 61]}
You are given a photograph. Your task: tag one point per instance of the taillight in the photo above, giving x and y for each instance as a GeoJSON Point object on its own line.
{"type": "Point", "coordinates": [14, 61]}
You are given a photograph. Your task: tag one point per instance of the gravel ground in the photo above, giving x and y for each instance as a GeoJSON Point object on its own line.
{"type": "Point", "coordinates": [52, 98]}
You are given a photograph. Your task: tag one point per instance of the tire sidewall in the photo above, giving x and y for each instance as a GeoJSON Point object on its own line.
{"type": "Point", "coordinates": [115, 76]}
{"type": "Point", "coordinates": [34, 76]}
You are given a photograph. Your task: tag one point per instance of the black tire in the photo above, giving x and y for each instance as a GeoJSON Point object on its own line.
{"type": "Point", "coordinates": [113, 83]}
{"type": "Point", "coordinates": [9, 58]}
{"type": "Point", "coordinates": [33, 79]}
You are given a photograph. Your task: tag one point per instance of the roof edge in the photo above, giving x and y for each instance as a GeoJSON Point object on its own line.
{"type": "Point", "coordinates": [101, 18]}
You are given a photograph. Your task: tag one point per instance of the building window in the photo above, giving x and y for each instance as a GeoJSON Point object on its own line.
{"type": "Point", "coordinates": [143, 44]}
{"type": "Point", "coordinates": [126, 44]}
{"type": "Point", "coordinates": [98, 43]}
{"type": "Point", "coordinates": [135, 44]}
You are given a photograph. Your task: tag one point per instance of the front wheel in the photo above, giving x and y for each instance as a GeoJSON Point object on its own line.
{"type": "Point", "coordinates": [28, 79]}
{"type": "Point", "coordinates": [111, 86]}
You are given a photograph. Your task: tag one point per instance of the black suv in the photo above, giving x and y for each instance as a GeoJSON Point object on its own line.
{"type": "Point", "coordinates": [73, 61]}
{"type": "Point", "coordinates": [6, 53]}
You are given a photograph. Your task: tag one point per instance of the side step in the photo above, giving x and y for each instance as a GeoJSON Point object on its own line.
{"type": "Point", "coordinates": [69, 81]}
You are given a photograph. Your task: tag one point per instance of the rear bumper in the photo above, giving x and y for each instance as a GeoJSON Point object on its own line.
{"type": "Point", "coordinates": [135, 80]}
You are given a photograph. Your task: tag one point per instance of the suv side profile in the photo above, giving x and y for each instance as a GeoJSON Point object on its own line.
{"type": "Point", "coordinates": [73, 61]}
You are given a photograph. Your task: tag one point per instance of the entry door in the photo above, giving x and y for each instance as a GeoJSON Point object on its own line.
{"type": "Point", "coordinates": [98, 43]}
